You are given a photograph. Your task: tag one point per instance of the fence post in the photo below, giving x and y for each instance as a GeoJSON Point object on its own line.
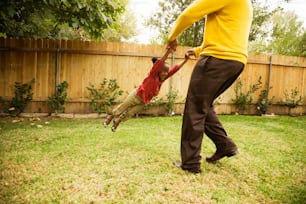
{"type": "Point", "coordinates": [269, 75]}
{"type": "Point", "coordinates": [172, 64]}
{"type": "Point", "coordinates": [57, 67]}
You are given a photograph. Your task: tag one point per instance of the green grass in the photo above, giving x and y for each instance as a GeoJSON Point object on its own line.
{"type": "Point", "coordinates": [79, 161]}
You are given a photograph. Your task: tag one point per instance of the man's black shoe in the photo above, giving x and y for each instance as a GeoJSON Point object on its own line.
{"type": "Point", "coordinates": [220, 154]}
{"type": "Point", "coordinates": [178, 164]}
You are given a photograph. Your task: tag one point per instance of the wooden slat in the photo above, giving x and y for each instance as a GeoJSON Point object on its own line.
{"type": "Point", "coordinates": [82, 63]}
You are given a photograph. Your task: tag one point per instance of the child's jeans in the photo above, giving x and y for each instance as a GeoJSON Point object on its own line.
{"type": "Point", "coordinates": [129, 107]}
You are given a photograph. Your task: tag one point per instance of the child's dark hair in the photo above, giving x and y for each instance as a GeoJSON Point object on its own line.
{"type": "Point", "coordinates": [154, 59]}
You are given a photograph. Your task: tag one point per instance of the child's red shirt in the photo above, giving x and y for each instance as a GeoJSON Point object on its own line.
{"type": "Point", "coordinates": [150, 86]}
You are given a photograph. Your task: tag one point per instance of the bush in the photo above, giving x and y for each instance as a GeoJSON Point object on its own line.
{"type": "Point", "coordinates": [22, 96]}
{"type": "Point", "coordinates": [264, 103]}
{"type": "Point", "coordinates": [102, 99]}
{"type": "Point", "coordinates": [57, 101]}
{"type": "Point", "coordinates": [170, 105]}
{"type": "Point", "coordinates": [155, 101]}
{"type": "Point", "coordinates": [292, 100]}
{"type": "Point", "coordinates": [242, 100]}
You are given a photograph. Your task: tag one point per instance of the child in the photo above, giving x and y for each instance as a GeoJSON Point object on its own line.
{"type": "Point", "coordinates": [142, 95]}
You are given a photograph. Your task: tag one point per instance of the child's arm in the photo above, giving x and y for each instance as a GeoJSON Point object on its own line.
{"type": "Point", "coordinates": [159, 64]}
{"type": "Point", "coordinates": [187, 54]}
{"type": "Point", "coordinates": [169, 50]}
{"type": "Point", "coordinates": [177, 67]}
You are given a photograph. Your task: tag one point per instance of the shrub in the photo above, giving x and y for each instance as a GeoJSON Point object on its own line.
{"type": "Point", "coordinates": [170, 104]}
{"type": "Point", "coordinates": [292, 100]}
{"type": "Point", "coordinates": [21, 98]}
{"type": "Point", "coordinates": [105, 96]}
{"type": "Point", "coordinates": [264, 103]}
{"type": "Point", "coordinates": [155, 101]}
{"type": "Point", "coordinates": [57, 101]}
{"type": "Point", "coordinates": [243, 100]}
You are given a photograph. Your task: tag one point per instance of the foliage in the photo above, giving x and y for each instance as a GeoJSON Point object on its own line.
{"type": "Point", "coordinates": [283, 29]}
{"type": "Point", "coordinates": [243, 100]}
{"type": "Point", "coordinates": [155, 101]}
{"type": "Point", "coordinates": [261, 18]}
{"type": "Point", "coordinates": [23, 94]}
{"type": "Point", "coordinates": [169, 105]}
{"type": "Point", "coordinates": [167, 14]}
{"type": "Point", "coordinates": [171, 97]}
{"type": "Point", "coordinates": [125, 29]}
{"type": "Point", "coordinates": [264, 103]}
{"type": "Point", "coordinates": [27, 18]}
{"type": "Point", "coordinates": [292, 100]}
{"type": "Point", "coordinates": [57, 101]}
{"type": "Point", "coordinates": [105, 96]}
{"type": "Point", "coordinates": [286, 36]}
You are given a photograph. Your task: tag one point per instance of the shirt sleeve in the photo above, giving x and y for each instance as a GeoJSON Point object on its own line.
{"type": "Point", "coordinates": [194, 12]}
{"type": "Point", "coordinates": [157, 66]}
{"type": "Point", "coordinates": [172, 71]}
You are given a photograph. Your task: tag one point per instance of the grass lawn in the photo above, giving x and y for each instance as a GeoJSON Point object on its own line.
{"type": "Point", "coordinates": [79, 161]}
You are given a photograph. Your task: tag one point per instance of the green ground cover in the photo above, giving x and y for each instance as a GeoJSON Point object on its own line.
{"type": "Point", "coordinates": [79, 161]}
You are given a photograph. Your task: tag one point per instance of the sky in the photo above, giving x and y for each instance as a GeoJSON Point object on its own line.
{"type": "Point", "coordinates": [143, 9]}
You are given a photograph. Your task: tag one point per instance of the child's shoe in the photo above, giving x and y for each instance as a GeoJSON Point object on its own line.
{"type": "Point", "coordinates": [116, 124]}
{"type": "Point", "coordinates": [107, 120]}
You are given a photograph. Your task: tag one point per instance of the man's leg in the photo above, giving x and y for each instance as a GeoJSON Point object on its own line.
{"type": "Point", "coordinates": [207, 80]}
{"type": "Point", "coordinates": [215, 131]}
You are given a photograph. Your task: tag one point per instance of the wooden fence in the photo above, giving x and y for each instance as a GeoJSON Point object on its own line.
{"type": "Point", "coordinates": [80, 63]}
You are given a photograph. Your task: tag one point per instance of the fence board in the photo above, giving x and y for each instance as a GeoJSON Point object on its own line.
{"type": "Point", "coordinates": [81, 63]}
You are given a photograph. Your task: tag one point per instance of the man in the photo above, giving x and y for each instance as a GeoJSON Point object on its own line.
{"type": "Point", "coordinates": [222, 57]}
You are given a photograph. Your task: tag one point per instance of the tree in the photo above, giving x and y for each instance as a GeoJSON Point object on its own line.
{"type": "Point", "coordinates": [286, 35]}
{"type": "Point", "coordinates": [46, 18]}
{"type": "Point", "coordinates": [261, 16]}
{"type": "Point", "coordinates": [166, 15]}
{"type": "Point", "coordinates": [125, 30]}
{"type": "Point", "coordinates": [170, 10]}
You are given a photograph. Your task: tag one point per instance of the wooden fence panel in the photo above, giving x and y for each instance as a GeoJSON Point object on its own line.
{"type": "Point", "coordinates": [84, 63]}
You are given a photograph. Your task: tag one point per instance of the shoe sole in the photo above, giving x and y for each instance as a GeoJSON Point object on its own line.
{"type": "Point", "coordinates": [179, 165]}
{"type": "Point", "coordinates": [230, 154]}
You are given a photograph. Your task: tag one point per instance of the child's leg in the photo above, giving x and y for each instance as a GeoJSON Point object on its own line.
{"type": "Point", "coordinates": [131, 112]}
{"type": "Point", "coordinates": [126, 115]}
{"type": "Point", "coordinates": [131, 100]}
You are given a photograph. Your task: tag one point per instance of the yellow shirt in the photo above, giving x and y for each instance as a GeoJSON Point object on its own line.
{"type": "Point", "coordinates": [226, 31]}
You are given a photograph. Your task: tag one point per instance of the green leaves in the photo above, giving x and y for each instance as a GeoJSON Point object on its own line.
{"type": "Point", "coordinates": [276, 31]}
{"type": "Point", "coordinates": [167, 14]}
{"type": "Point", "coordinates": [94, 17]}
{"type": "Point", "coordinates": [105, 96]}
{"type": "Point", "coordinates": [57, 101]}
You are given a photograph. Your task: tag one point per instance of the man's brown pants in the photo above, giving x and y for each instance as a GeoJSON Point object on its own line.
{"type": "Point", "coordinates": [210, 78]}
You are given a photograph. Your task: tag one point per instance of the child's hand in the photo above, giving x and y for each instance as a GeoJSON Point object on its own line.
{"type": "Point", "coordinates": [189, 53]}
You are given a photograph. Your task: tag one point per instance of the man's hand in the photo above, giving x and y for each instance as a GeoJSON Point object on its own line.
{"type": "Point", "coordinates": [172, 45]}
